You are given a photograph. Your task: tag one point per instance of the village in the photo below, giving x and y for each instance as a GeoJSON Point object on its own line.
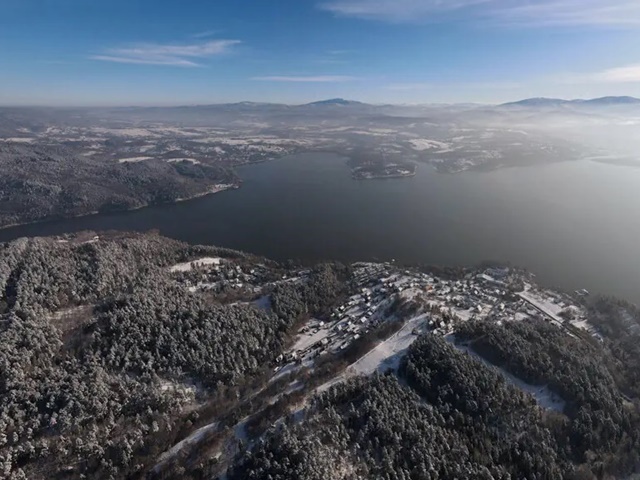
{"type": "Point", "coordinates": [385, 292]}
{"type": "Point", "coordinates": [436, 306]}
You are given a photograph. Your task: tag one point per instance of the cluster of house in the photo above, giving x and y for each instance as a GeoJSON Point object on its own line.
{"type": "Point", "coordinates": [224, 275]}
{"type": "Point", "coordinates": [476, 295]}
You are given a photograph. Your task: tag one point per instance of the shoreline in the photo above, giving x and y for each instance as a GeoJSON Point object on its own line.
{"type": "Point", "coordinates": [218, 188]}
{"type": "Point", "coordinates": [384, 177]}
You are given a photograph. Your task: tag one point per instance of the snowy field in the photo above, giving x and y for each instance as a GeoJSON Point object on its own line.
{"type": "Point", "coordinates": [306, 340]}
{"type": "Point", "coordinates": [385, 356]}
{"type": "Point", "coordinates": [546, 306]}
{"type": "Point", "coordinates": [422, 144]}
{"type": "Point", "coordinates": [18, 140]}
{"type": "Point", "coordinates": [389, 353]}
{"type": "Point", "coordinates": [188, 266]}
{"type": "Point", "coordinates": [190, 160]}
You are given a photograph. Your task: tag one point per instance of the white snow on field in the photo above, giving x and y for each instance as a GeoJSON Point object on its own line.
{"type": "Point", "coordinates": [188, 266]}
{"type": "Point", "coordinates": [546, 306]}
{"type": "Point", "coordinates": [543, 396]}
{"type": "Point", "coordinates": [133, 159]}
{"type": "Point", "coordinates": [190, 160]}
{"type": "Point", "coordinates": [421, 144]}
{"type": "Point", "coordinates": [387, 355]}
{"type": "Point", "coordinates": [519, 317]}
{"type": "Point", "coordinates": [305, 340]}
{"type": "Point", "coordinates": [19, 140]}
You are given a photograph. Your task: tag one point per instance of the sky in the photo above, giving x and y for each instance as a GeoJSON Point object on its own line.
{"type": "Point", "coordinates": [170, 52]}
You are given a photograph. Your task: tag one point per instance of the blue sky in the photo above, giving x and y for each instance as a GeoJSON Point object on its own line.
{"type": "Point", "coordinates": [168, 52]}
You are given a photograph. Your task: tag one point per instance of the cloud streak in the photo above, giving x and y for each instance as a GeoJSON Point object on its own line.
{"type": "Point", "coordinates": [618, 75]}
{"type": "Point", "coordinates": [628, 74]}
{"type": "Point", "coordinates": [506, 12]}
{"type": "Point", "coordinates": [168, 55]}
{"type": "Point", "coordinates": [206, 34]}
{"type": "Point", "coordinates": [305, 79]}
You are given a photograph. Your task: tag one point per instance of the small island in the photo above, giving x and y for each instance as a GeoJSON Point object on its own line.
{"type": "Point", "coordinates": [390, 170]}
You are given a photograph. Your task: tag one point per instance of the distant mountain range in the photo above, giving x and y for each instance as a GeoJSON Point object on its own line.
{"type": "Point", "coordinates": [557, 102]}
{"type": "Point", "coordinates": [526, 103]}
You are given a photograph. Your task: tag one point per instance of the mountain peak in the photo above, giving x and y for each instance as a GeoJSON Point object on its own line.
{"type": "Point", "coordinates": [537, 102]}
{"type": "Point", "coordinates": [335, 101]}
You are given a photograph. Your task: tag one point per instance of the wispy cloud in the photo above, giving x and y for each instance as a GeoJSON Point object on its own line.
{"type": "Point", "coordinates": [162, 54]}
{"type": "Point", "coordinates": [626, 74]}
{"type": "Point", "coordinates": [206, 34]}
{"type": "Point", "coordinates": [306, 79]}
{"type": "Point", "coordinates": [508, 12]}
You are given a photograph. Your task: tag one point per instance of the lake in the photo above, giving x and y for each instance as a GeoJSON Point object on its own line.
{"type": "Point", "coordinates": [574, 224]}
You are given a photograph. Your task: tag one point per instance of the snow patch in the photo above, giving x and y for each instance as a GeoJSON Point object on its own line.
{"type": "Point", "coordinates": [188, 266]}
{"type": "Point", "coordinates": [18, 140]}
{"type": "Point", "coordinates": [422, 144]}
{"type": "Point", "coordinates": [134, 159]}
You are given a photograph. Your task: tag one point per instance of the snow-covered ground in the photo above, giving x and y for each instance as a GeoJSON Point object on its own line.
{"type": "Point", "coordinates": [133, 159]}
{"type": "Point", "coordinates": [307, 339]}
{"type": "Point", "coordinates": [387, 355]}
{"type": "Point", "coordinates": [543, 396]}
{"type": "Point", "coordinates": [18, 140]}
{"type": "Point", "coordinates": [190, 160]}
{"type": "Point", "coordinates": [188, 266]}
{"type": "Point", "coordinates": [421, 144]}
{"type": "Point", "coordinates": [546, 306]}
{"type": "Point", "coordinates": [194, 438]}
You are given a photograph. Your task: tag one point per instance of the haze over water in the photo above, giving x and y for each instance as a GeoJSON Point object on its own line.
{"type": "Point", "coordinates": [574, 224]}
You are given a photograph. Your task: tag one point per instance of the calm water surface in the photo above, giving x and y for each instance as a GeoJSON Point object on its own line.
{"type": "Point", "coordinates": [574, 224]}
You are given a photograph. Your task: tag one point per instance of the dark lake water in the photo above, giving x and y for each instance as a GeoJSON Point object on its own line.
{"type": "Point", "coordinates": [574, 224]}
